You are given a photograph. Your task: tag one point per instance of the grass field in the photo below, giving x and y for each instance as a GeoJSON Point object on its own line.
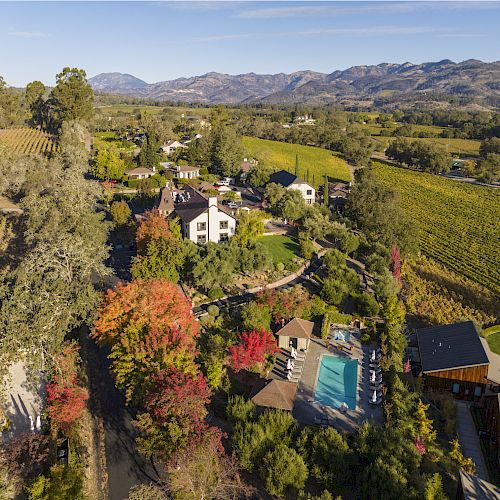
{"type": "Point", "coordinates": [28, 140]}
{"type": "Point", "coordinates": [319, 162]}
{"type": "Point", "coordinates": [103, 139]}
{"type": "Point", "coordinates": [458, 223]}
{"type": "Point", "coordinates": [282, 248]}
{"type": "Point", "coordinates": [494, 342]}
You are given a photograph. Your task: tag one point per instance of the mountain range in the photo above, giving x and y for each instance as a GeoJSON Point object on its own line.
{"type": "Point", "coordinates": [472, 78]}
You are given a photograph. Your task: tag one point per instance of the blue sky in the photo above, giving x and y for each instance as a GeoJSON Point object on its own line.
{"type": "Point", "coordinates": [164, 40]}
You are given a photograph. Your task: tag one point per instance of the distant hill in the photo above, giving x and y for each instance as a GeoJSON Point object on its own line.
{"type": "Point", "coordinates": [470, 78]}
{"type": "Point", "coordinates": [117, 83]}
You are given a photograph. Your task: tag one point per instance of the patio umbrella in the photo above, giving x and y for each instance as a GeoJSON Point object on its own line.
{"type": "Point", "coordinates": [373, 377]}
{"type": "Point", "coordinates": [38, 424]}
{"type": "Point", "coordinates": [373, 356]}
{"type": "Point", "coordinates": [32, 426]}
{"type": "Point", "coordinates": [289, 364]}
{"type": "Point", "coordinates": [374, 397]}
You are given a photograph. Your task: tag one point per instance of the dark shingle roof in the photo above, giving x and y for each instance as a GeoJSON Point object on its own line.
{"type": "Point", "coordinates": [447, 347]}
{"type": "Point", "coordinates": [285, 178]}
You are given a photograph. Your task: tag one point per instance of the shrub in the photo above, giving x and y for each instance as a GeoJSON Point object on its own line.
{"type": "Point", "coordinates": [366, 304]}
{"type": "Point", "coordinates": [365, 338]}
{"type": "Point", "coordinates": [280, 267]}
{"type": "Point", "coordinates": [306, 249]}
{"type": "Point", "coordinates": [215, 293]}
{"type": "Point", "coordinates": [240, 409]}
{"type": "Point", "coordinates": [213, 310]}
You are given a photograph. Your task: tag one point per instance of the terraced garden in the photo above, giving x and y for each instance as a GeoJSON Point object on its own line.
{"type": "Point", "coordinates": [28, 140]}
{"type": "Point", "coordinates": [458, 223]}
{"type": "Point", "coordinates": [319, 162]}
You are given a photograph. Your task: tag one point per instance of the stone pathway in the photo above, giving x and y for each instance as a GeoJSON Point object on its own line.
{"type": "Point", "coordinates": [469, 440]}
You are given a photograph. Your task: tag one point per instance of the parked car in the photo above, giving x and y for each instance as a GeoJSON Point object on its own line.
{"type": "Point", "coordinates": [232, 204]}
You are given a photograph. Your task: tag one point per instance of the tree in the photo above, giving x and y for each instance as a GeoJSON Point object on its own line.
{"type": "Point", "coordinates": [283, 471]}
{"type": "Point", "coordinates": [489, 168]}
{"type": "Point", "coordinates": [120, 213]}
{"type": "Point", "coordinates": [273, 194]}
{"type": "Point", "coordinates": [291, 206]}
{"type": "Point", "coordinates": [460, 461]}
{"type": "Point", "coordinates": [73, 98]}
{"type": "Point", "coordinates": [66, 398]}
{"type": "Point", "coordinates": [26, 457]}
{"type": "Point", "coordinates": [316, 222]}
{"type": "Point", "coordinates": [423, 425]}
{"type": "Point", "coordinates": [149, 327]}
{"type": "Point", "coordinates": [307, 248]}
{"type": "Point", "coordinates": [239, 409]}
{"type": "Point", "coordinates": [259, 175]}
{"type": "Point", "coordinates": [395, 264]}
{"type": "Point", "coordinates": [34, 97]}
{"type": "Point", "coordinates": [213, 266]}
{"type": "Point", "coordinates": [160, 251]}
{"type": "Point", "coordinates": [367, 305]}
{"type": "Point", "coordinates": [147, 492]}
{"type": "Point", "coordinates": [255, 316]}
{"type": "Point", "coordinates": [226, 149]}
{"type": "Point", "coordinates": [149, 156]}
{"type": "Point", "coordinates": [434, 488]}
{"type": "Point", "coordinates": [252, 349]}
{"type": "Point", "coordinates": [250, 227]}
{"type": "Point", "coordinates": [108, 165]}
{"type": "Point", "coordinates": [62, 482]}
{"type": "Point", "coordinates": [348, 242]}
{"type": "Point", "coordinates": [175, 406]}
{"type": "Point", "coordinates": [204, 471]}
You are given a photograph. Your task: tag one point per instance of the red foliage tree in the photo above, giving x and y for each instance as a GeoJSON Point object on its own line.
{"type": "Point", "coordinates": [253, 347]}
{"type": "Point", "coordinates": [66, 398]}
{"type": "Point", "coordinates": [150, 327]}
{"type": "Point", "coordinates": [407, 366]}
{"type": "Point", "coordinates": [395, 264]}
{"type": "Point", "coordinates": [175, 406]}
{"type": "Point", "coordinates": [419, 445]}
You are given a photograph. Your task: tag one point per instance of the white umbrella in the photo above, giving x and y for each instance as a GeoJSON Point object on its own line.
{"type": "Point", "coordinates": [374, 397]}
{"type": "Point", "coordinates": [32, 426]}
{"type": "Point", "coordinates": [373, 357]}
{"type": "Point", "coordinates": [289, 364]}
{"type": "Point", "coordinates": [373, 377]}
{"type": "Point", "coordinates": [38, 423]}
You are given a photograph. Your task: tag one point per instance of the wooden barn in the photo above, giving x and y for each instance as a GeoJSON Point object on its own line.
{"type": "Point", "coordinates": [453, 359]}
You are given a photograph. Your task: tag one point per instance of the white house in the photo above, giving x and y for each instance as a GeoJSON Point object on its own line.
{"type": "Point", "coordinates": [172, 146]}
{"type": "Point", "coordinates": [141, 173]}
{"type": "Point", "coordinates": [202, 218]}
{"type": "Point", "coordinates": [290, 181]}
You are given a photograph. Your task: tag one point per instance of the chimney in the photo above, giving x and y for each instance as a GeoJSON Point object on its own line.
{"type": "Point", "coordinates": [212, 201]}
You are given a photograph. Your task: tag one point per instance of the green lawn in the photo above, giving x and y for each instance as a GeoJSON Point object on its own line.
{"type": "Point", "coordinates": [124, 109]}
{"type": "Point", "coordinates": [318, 162]}
{"type": "Point", "coordinates": [494, 342]}
{"type": "Point", "coordinates": [282, 248]}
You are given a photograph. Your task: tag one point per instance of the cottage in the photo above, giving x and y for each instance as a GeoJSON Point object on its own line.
{"type": "Point", "coordinates": [184, 172]}
{"type": "Point", "coordinates": [278, 394]}
{"type": "Point", "coordinates": [452, 358]}
{"type": "Point", "coordinates": [291, 181]}
{"type": "Point", "coordinates": [202, 218]}
{"type": "Point", "coordinates": [140, 173]}
{"type": "Point", "coordinates": [297, 334]}
{"type": "Point", "coordinates": [172, 146]}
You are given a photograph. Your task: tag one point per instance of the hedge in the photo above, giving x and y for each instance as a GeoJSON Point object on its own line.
{"type": "Point", "coordinates": [333, 317]}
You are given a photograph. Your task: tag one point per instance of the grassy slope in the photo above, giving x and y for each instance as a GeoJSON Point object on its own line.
{"type": "Point", "coordinates": [282, 248]}
{"type": "Point", "coordinates": [318, 161]}
{"type": "Point", "coordinates": [457, 222]}
{"type": "Point", "coordinates": [494, 342]}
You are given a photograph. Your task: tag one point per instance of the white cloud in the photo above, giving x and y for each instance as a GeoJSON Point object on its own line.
{"type": "Point", "coordinates": [340, 9]}
{"type": "Point", "coordinates": [369, 31]}
{"type": "Point", "coordinates": [28, 34]}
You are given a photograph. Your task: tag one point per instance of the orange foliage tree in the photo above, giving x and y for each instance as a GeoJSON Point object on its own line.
{"type": "Point", "coordinates": [149, 327]}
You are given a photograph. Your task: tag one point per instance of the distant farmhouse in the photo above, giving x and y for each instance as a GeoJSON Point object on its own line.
{"type": "Point", "coordinates": [290, 181]}
{"type": "Point", "coordinates": [141, 173]}
{"type": "Point", "coordinates": [202, 218]}
{"type": "Point", "coordinates": [182, 171]}
{"type": "Point", "coordinates": [172, 146]}
{"type": "Point", "coordinates": [337, 196]}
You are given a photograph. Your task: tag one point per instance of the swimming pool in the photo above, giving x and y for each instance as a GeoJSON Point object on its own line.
{"type": "Point", "coordinates": [337, 382]}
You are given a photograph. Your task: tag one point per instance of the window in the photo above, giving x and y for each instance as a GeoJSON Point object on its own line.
{"type": "Point", "coordinates": [224, 237]}
{"type": "Point", "coordinates": [477, 391]}
{"type": "Point", "coordinates": [202, 239]}
{"type": "Point", "coordinates": [201, 226]}
{"type": "Point", "coordinates": [309, 192]}
{"type": "Point", "coordinates": [223, 224]}
{"type": "Point", "coordinates": [456, 388]}
{"type": "Point", "coordinates": [308, 202]}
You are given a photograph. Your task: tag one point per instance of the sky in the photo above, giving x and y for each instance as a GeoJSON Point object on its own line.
{"type": "Point", "coordinates": [158, 41]}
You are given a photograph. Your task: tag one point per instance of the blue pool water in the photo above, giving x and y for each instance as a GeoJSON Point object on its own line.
{"type": "Point", "coordinates": [337, 382]}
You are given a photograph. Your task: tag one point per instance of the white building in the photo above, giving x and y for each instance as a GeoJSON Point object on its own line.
{"type": "Point", "coordinates": [141, 173]}
{"type": "Point", "coordinates": [290, 181]}
{"type": "Point", "coordinates": [172, 146]}
{"type": "Point", "coordinates": [202, 218]}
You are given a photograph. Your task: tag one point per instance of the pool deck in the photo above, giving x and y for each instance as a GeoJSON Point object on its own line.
{"type": "Point", "coordinates": [308, 412]}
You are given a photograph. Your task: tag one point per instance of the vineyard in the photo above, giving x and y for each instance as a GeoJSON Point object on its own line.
{"type": "Point", "coordinates": [28, 141]}
{"type": "Point", "coordinates": [458, 223]}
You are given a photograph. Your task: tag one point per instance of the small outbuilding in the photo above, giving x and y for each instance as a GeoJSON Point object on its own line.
{"type": "Point", "coordinates": [278, 394]}
{"type": "Point", "coordinates": [296, 333]}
